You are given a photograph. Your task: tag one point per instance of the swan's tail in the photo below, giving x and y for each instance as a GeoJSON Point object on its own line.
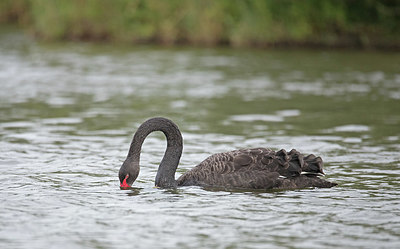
{"type": "Point", "coordinates": [311, 168]}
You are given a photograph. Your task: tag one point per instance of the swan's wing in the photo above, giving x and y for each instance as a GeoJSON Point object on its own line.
{"type": "Point", "coordinates": [251, 168]}
{"type": "Point", "coordinates": [245, 180]}
{"type": "Point", "coordinates": [254, 180]}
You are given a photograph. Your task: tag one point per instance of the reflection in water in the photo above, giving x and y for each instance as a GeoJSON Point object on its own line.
{"type": "Point", "coordinates": [133, 191]}
{"type": "Point", "coordinates": [68, 111]}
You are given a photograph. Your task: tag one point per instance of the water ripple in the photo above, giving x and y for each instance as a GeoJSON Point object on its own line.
{"type": "Point", "coordinates": [68, 113]}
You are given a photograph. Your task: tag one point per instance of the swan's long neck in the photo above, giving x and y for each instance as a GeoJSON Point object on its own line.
{"type": "Point", "coordinates": [166, 171]}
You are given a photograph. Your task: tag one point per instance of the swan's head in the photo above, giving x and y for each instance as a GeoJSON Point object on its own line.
{"type": "Point", "coordinates": [128, 174]}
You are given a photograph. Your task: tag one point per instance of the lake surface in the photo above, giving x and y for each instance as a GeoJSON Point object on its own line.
{"type": "Point", "coordinates": [68, 113]}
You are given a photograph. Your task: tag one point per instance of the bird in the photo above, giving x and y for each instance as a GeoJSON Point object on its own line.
{"type": "Point", "coordinates": [247, 168]}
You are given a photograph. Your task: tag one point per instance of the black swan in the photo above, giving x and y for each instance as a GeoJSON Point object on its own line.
{"type": "Point", "coordinates": [258, 168]}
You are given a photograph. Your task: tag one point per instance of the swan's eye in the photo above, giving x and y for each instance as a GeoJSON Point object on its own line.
{"type": "Point", "coordinates": [125, 185]}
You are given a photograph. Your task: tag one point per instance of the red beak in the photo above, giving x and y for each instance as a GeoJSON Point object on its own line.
{"type": "Point", "coordinates": [125, 185]}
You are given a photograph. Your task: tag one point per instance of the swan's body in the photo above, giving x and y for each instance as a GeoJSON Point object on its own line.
{"type": "Point", "coordinates": [258, 168]}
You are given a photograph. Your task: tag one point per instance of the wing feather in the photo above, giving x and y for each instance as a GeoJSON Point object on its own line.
{"type": "Point", "coordinates": [258, 168]}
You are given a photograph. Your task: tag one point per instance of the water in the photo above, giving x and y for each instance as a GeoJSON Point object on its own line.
{"type": "Point", "coordinates": [68, 112]}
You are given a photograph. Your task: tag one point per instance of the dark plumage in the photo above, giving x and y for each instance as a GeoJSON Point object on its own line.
{"type": "Point", "coordinates": [258, 168]}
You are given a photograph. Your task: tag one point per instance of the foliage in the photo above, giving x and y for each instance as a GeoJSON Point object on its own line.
{"type": "Point", "coordinates": [236, 22]}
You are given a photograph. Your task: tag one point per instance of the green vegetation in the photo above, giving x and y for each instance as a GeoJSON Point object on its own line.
{"type": "Point", "coordinates": [361, 23]}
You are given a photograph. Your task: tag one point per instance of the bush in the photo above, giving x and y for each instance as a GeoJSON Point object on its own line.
{"type": "Point", "coordinates": [210, 22]}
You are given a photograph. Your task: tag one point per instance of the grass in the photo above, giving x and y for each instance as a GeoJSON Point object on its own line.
{"type": "Point", "coordinates": [358, 23]}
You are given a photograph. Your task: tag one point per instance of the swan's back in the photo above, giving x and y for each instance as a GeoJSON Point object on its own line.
{"type": "Point", "coordinates": [258, 168]}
